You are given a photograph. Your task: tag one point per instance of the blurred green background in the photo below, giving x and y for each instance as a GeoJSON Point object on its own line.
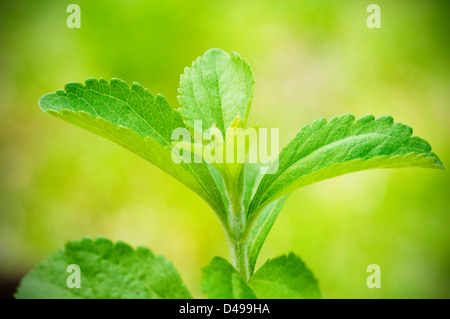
{"type": "Point", "coordinates": [310, 59]}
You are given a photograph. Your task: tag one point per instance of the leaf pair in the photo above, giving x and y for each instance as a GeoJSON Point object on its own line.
{"type": "Point", "coordinates": [284, 277]}
{"type": "Point", "coordinates": [216, 89]}
{"type": "Point", "coordinates": [108, 270]}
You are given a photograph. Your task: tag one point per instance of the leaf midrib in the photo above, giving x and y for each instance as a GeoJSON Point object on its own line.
{"type": "Point", "coordinates": [332, 144]}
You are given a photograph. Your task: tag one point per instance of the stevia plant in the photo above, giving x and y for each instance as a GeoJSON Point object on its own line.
{"type": "Point", "coordinates": [216, 90]}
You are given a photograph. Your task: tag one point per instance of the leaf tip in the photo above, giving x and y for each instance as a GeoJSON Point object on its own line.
{"type": "Point", "coordinates": [43, 101]}
{"type": "Point", "coordinates": [438, 164]}
{"type": "Point", "coordinates": [215, 51]}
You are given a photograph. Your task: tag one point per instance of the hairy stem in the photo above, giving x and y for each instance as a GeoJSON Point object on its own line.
{"type": "Point", "coordinates": [241, 261]}
{"type": "Point", "coordinates": [237, 225]}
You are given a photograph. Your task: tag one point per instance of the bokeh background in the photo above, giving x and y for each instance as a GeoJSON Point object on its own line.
{"type": "Point", "coordinates": [310, 59]}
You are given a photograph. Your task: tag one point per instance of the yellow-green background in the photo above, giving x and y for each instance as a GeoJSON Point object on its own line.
{"type": "Point", "coordinates": [310, 59]}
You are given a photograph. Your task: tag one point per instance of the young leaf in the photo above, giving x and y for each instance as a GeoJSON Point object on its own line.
{"type": "Point", "coordinates": [324, 150]}
{"type": "Point", "coordinates": [216, 89]}
{"type": "Point", "coordinates": [107, 271]}
{"type": "Point", "coordinates": [284, 277]}
{"type": "Point", "coordinates": [131, 117]}
{"type": "Point", "coordinates": [222, 281]}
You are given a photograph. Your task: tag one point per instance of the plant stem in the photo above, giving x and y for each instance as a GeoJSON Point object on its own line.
{"type": "Point", "coordinates": [241, 261]}
{"type": "Point", "coordinates": [237, 224]}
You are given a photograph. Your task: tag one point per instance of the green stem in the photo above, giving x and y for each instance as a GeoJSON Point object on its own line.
{"type": "Point", "coordinates": [241, 260]}
{"type": "Point", "coordinates": [237, 224]}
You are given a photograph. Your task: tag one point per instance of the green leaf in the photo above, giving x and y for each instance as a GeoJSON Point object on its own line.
{"type": "Point", "coordinates": [284, 277]}
{"type": "Point", "coordinates": [134, 119]}
{"type": "Point", "coordinates": [108, 270]}
{"type": "Point", "coordinates": [259, 229]}
{"type": "Point", "coordinates": [222, 281]}
{"type": "Point", "coordinates": [324, 150]}
{"type": "Point", "coordinates": [217, 88]}
{"type": "Point", "coordinates": [252, 178]}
